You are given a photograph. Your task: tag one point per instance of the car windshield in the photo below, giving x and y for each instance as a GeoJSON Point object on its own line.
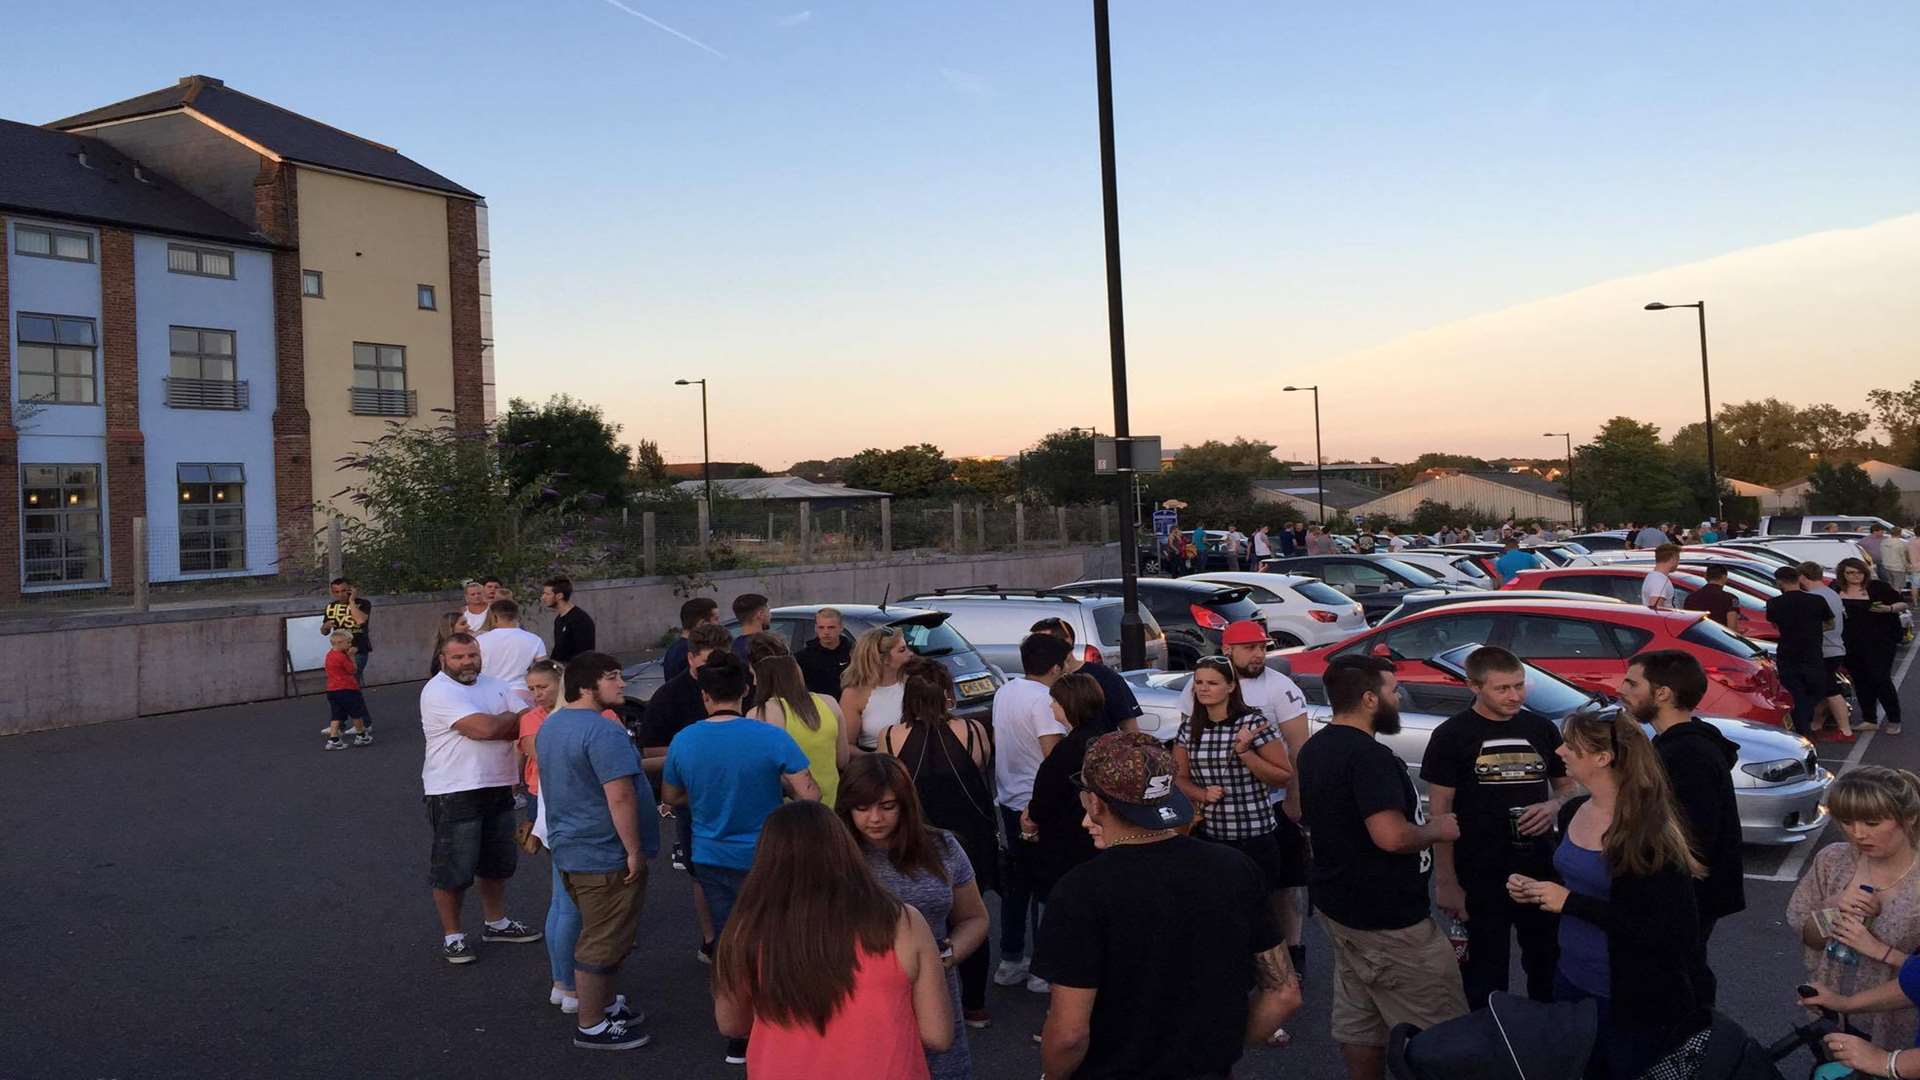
{"type": "Point", "coordinates": [1712, 635]}
{"type": "Point", "coordinates": [1547, 694]}
{"type": "Point", "coordinates": [1106, 623]}
{"type": "Point", "coordinates": [937, 640]}
{"type": "Point", "coordinates": [1418, 577]}
{"type": "Point", "coordinates": [1318, 593]}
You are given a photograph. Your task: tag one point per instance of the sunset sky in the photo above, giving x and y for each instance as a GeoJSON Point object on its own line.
{"type": "Point", "coordinates": [877, 223]}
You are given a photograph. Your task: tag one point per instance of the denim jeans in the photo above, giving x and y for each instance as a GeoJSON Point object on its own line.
{"type": "Point", "coordinates": [722, 887]}
{"type": "Point", "coordinates": [563, 929]}
{"type": "Point", "coordinates": [1018, 902]}
{"type": "Point", "coordinates": [360, 676]}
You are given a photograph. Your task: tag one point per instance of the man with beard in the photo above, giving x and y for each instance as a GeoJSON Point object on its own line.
{"type": "Point", "coordinates": [1391, 963]}
{"type": "Point", "coordinates": [468, 776]}
{"type": "Point", "coordinates": [1494, 763]}
{"type": "Point", "coordinates": [1661, 688]}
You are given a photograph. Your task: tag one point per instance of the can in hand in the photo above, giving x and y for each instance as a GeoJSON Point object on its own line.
{"type": "Point", "coordinates": [1520, 839]}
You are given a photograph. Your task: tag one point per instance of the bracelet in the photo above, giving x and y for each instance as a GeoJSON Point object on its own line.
{"type": "Point", "coordinates": [1893, 1064]}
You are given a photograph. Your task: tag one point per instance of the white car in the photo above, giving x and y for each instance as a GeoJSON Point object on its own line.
{"type": "Point", "coordinates": [1827, 553]}
{"type": "Point", "coordinates": [1299, 610]}
{"type": "Point", "coordinates": [1450, 567]}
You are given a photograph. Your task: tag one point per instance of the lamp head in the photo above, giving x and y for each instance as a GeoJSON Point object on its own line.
{"type": "Point", "coordinates": [1656, 306]}
{"type": "Point", "coordinates": [682, 382]}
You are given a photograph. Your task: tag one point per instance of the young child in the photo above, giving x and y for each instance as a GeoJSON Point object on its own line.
{"type": "Point", "coordinates": [343, 693]}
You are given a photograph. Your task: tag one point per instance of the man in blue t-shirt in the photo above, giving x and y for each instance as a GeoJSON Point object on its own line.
{"type": "Point", "coordinates": [1512, 561]}
{"type": "Point", "coordinates": [600, 841]}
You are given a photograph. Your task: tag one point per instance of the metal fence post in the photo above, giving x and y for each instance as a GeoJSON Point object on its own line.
{"type": "Point", "coordinates": [336, 558]}
{"type": "Point", "coordinates": [706, 527]}
{"type": "Point", "coordinates": [1060, 515]}
{"type": "Point", "coordinates": [647, 535]}
{"type": "Point", "coordinates": [886, 526]}
{"type": "Point", "coordinates": [806, 531]}
{"type": "Point", "coordinates": [140, 564]}
{"type": "Point", "coordinates": [1019, 525]}
{"type": "Point", "coordinates": [959, 544]}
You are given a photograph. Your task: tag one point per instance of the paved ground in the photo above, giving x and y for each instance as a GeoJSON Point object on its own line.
{"type": "Point", "coordinates": [209, 895]}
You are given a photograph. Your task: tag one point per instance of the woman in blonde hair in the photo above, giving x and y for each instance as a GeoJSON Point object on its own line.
{"type": "Point", "coordinates": [870, 688]}
{"type": "Point", "coordinates": [1866, 889]}
{"type": "Point", "coordinates": [450, 624]}
{"type": "Point", "coordinates": [1630, 922]}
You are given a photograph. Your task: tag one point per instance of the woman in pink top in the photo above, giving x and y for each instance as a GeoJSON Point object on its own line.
{"type": "Point", "coordinates": [828, 975]}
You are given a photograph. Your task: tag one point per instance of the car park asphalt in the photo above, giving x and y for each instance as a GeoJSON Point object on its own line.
{"type": "Point", "coordinates": [208, 894]}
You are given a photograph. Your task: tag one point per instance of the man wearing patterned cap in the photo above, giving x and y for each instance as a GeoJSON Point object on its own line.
{"type": "Point", "coordinates": [1131, 993]}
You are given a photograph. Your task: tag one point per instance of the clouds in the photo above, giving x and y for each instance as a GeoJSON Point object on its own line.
{"type": "Point", "coordinates": [658, 25]}
{"type": "Point", "coordinates": [793, 19]}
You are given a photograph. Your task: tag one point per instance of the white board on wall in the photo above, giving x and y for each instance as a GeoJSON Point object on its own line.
{"type": "Point", "coordinates": [306, 646]}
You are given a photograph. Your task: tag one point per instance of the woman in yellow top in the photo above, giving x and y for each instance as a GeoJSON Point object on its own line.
{"type": "Point", "coordinates": [812, 719]}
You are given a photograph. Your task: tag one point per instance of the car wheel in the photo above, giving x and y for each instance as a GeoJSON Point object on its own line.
{"type": "Point", "coordinates": [1286, 640]}
{"type": "Point", "coordinates": [1181, 659]}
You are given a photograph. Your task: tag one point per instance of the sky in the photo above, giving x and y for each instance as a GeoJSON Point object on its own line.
{"type": "Point", "coordinates": [879, 223]}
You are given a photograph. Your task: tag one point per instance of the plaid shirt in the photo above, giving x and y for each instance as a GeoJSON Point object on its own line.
{"type": "Point", "coordinates": [1245, 812]}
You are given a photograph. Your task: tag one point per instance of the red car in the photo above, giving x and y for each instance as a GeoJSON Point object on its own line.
{"type": "Point", "coordinates": [1586, 644]}
{"type": "Point", "coordinates": [1623, 583]}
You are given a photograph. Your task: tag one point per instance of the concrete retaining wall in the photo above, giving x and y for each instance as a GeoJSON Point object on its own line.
{"type": "Point", "coordinates": [66, 671]}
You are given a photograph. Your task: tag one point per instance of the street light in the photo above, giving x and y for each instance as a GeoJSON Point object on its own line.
{"type": "Point", "coordinates": [706, 458]}
{"type": "Point", "coordinates": [1706, 391]}
{"type": "Point", "coordinates": [1133, 631]}
{"type": "Point", "coordinates": [1319, 476]}
{"type": "Point", "coordinates": [1573, 510]}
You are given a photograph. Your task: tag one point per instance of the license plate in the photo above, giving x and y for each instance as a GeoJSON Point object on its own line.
{"type": "Point", "coordinates": [976, 687]}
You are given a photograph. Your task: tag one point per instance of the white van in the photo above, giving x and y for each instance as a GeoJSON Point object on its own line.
{"type": "Point", "coordinates": [1814, 524]}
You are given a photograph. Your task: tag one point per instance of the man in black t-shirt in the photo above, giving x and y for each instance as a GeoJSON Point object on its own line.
{"type": "Point", "coordinates": [1133, 993]}
{"type": "Point", "coordinates": [1494, 766]}
{"type": "Point", "coordinates": [1391, 963]}
{"type": "Point", "coordinates": [1716, 599]}
{"type": "Point", "coordinates": [1802, 619]}
{"type": "Point", "coordinates": [823, 659]}
{"type": "Point", "coordinates": [572, 627]}
{"type": "Point", "coordinates": [350, 611]}
{"type": "Point", "coordinates": [1118, 705]}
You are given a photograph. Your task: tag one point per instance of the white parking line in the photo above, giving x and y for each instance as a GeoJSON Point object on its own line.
{"type": "Point", "coordinates": [1790, 869]}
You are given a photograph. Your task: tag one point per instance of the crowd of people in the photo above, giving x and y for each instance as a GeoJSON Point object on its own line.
{"type": "Point", "coordinates": [842, 826]}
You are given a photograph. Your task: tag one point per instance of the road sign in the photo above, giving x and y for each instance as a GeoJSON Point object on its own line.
{"type": "Point", "coordinates": [1106, 454]}
{"type": "Point", "coordinates": [1164, 522]}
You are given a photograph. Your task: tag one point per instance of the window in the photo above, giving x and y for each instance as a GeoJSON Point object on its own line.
{"type": "Point", "coordinates": [425, 294]}
{"type": "Point", "coordinates": [1711, 635]}
{"type": "Point", "coordinates": [206, 262]}
{"type": "Point", "coordinates": [201, 354]}
{"type": "Point", "coordinates": [1315, 592]}
{"type": "Point", "coordinates": [60, 523]}
{"type": "Point", "coordinates": [213, 518]}
{"type": "Point", "coordinates": [1538, 638]}
{"type": "Point", "coordinates": [56, 359]}
{"type": "Point", "coordinates": [1356, 578]}
{"type": "Point", "coordinates": [1424, 639]}
{"type": "Point", "coordinates": [380, 381]}
{"type": "Point", "coordinates": [310, 284]}
{"type": "Point", "coordinates": [53, 243]}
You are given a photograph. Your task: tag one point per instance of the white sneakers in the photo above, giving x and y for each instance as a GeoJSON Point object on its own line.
{"type": "Point", "coordinates": [1011, 972]}
{"type": "Point", "coordinates": [567, 1002]}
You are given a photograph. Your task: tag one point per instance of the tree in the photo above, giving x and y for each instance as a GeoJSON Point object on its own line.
{"type": "Point", "coordinates": [569, 444]}
{"type": "Point", "coordinates": [1847, 489]}
{"type": "Point", "coordinates": [748, 470]}
{"type": "Point", "coordinates": [1758, 441]}
{"type": "Point", "coordinates": [911, 472]}
{"type": "Point", "coordinates": [1430, 517]}
{"type": "Point", "coordinates": [1898, 413]}
{"type": "Point", "coordinates": [649, 468]}
{"type": "Point", "coordinates": [1247, 458]}
{"type": "Point", "coordinates": [1625, 473]}
{"type": "Point", "coordinates": [985, 477]}
{"type": "Point", "coordinates": [1059, 469]}
{"type": "Point", "coordinates": [1405, 475]}
{"type": "Point", "coordinates": [831, 471]}
{"type": "Point", "coordinates": [1826, 430]}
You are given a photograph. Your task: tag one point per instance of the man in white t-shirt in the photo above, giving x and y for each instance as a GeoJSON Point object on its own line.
{"type": "Point", "coordinates": [1280, 700]}
{"type": "Point", "coordinates": [475, 613]}
{"type": "Point", "coordinates": [1024, 732]}
{"type": "Point", "coordinates": [468, 776]}
{"type": "Point", "coordinates": [1262, 546]}
{"type": "Point", "coordinates": [1656, 589]}
{"type": "Point", "coordinates": [506, 651]}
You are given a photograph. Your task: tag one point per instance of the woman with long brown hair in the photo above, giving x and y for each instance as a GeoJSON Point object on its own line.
{"type": "Point", "coordinates": [828, 973]}
{"type": "Point", "coordinates": [1630, 921]}
{"type": "Point", "coordinates": [870, 687]}
{"type": "Point", "coordinates": [780, 689]}
{"type": "Point", "coordinates": [923, 866]}
{"type": "Point", "coordinates": [1055, 813]}
{"type": "Point", "coordinates": [949, 760]}
{"type": "Point", "coordinates": [1228, 757]}
{"type": "Point", "coordinates": [1871, 632]}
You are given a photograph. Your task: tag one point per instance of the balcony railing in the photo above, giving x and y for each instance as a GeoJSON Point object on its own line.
{"type": "Point", "coordinates": [206, 393]}
{"type": "Point", "coordinates": [368, 401]}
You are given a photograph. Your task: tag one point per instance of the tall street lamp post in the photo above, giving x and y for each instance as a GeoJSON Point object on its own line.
{"type": "Point", "coordinates": [1706, 391]}
{"type": "Point", "coordinates": [1573, 510]}
{"type": "Point", "coordinates": [1133, 633]}
{"type": "Point", "coordinates": [706, 456]}
{"type": "Point", "coordinates": [1319, 459]}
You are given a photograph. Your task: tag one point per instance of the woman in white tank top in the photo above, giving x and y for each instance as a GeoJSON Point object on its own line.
{"type": "Point", "coordinates": [871, 691]}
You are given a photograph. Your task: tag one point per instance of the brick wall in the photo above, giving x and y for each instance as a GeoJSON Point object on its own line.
{"type": "Point", "coordinates": [9, 447]}
{"type": "Point", "coordinates": [277, 214]}
{"type": "Point", "coordinates": [463, 277]}
{"type": "Point", "coordinates": [120, 378]}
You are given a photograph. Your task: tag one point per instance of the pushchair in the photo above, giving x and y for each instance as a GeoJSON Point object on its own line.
{"type": "Point", "coordinates": [1515, 1038]}
{"type": "Point", "coordinates": [1812, 1037]}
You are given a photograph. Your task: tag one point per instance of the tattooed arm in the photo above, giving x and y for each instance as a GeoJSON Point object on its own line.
{"type": "Point", "coordinates": [1276, 994]}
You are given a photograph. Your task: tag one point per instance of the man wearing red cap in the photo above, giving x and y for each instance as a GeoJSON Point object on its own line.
{"type": "Point", "coordinates": [1133, 994]}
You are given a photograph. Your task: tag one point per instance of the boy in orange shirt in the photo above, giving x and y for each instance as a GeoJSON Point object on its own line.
{"type": "Point", "coordinates": [343, 693]}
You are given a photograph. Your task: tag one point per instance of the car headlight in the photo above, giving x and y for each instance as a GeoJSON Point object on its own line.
{"type": "Point", "coordinates": [1776, 772]}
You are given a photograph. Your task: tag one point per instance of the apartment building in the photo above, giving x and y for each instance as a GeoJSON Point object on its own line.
{"type": "Point", "coordinates": [210, 301]}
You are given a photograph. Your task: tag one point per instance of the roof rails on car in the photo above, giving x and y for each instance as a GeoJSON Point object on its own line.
{"type": "Point", "coordinates": [995, 590]}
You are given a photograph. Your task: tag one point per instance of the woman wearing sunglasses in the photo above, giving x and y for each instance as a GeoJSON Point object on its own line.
{"type": "Point", "coordinates": [1629, 917]}
{"type": "Point", "coordinates": [1227, 759]}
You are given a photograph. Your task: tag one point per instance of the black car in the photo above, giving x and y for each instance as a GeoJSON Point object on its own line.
{"type": "Point", "coordinates": [1191, 613]}
{"type": "Point", "coordinates": [1377, 582]}
{"type": "Point", "coordinates": [927, 632]}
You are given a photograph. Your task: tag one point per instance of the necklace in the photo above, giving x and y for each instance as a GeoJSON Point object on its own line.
{"type": "Point", "coordinates": [1140, 838]}
{"type": "Point", "coordinates": [1911, 860]}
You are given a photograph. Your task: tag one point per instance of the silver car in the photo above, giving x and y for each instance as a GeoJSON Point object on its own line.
{"type": "Point", "coordinates": [997, 620]}
{"type": "Point", "coordinates": [1778, 781]}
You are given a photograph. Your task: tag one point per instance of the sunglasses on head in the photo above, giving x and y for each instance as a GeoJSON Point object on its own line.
{"type": "Point", "coordinates": [1218, 663]}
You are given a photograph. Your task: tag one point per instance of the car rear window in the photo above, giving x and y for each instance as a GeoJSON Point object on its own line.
{"type": "Point", "coordinates": [1420, 578]}
{"type": "Point", "coordinates": [1709, 634]}
{"type": "Point", "coordinates": [1106, 623]}
{"type": "Point", "coordinates": [1243, 608]}
{"type": "Point", "coordinates": [1315, 592]}
{"type": "Point", "coordinates": [941, 640]}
